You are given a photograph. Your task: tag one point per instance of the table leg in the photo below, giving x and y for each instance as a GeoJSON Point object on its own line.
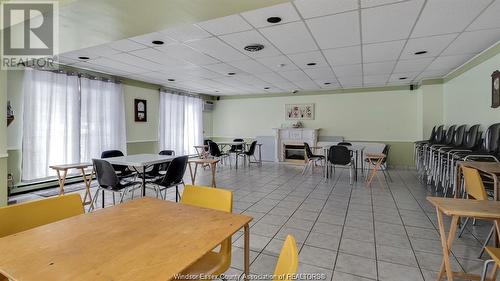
{"type": "Point", "coordinates": [236, 160]}
{"type": "Point", "coordinates": [143, 181]}
{"type": "Point", "coordinates": [260, 155]}
{"type": "Point", "coordinates": [87, 182]}
{"type": "Point", "coordinates": [362, 162]}
{"type": "Point", "coordinates": [446, 243]}
{"type": "Point", "coordinates": [191, 173]}
{"type": "Point", "coordinates": [61, 180]}
{"type": "Point", "coordinates": [356, 168]}
{"type": "Point", "coordinates": [214, 169]}
{"type": "Point", "coordinates": [246, 267]}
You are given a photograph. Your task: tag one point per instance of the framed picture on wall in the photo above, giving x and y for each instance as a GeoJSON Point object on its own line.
{"type": "Point", "coordinates": [303, 111]}
{"type": "Point", "coordinates": [495, 89]}
{"type": "Point", "coordinates": [140, 110]}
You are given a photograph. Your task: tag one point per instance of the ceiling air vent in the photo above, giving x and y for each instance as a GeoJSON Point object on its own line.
{"type": "Point", "coordinates": [254, 47]}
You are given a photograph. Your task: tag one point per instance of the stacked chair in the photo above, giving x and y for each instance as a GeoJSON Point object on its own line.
{"type": "Point", "coordinates": [436, 159]}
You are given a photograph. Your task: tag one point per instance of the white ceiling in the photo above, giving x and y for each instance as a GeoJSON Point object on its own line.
{"type": "Point", "coordinates": [354, 43]}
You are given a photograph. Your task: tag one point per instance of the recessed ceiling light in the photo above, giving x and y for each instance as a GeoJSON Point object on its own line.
{"type": "Point", "coordinates": [281, 65]}
{"type": "Point", "coordinates": [158, 42]}
{"type": "Point", "coordinates": [327, 83]}
{"type": "Point", "coordinates": [267, 88]}
{"type": "Point", "coordinates": [420, 53]}
{"type": "Point", "coordinates": [311, 63]}
{"type": "Point", "coordinates": [231, 73]}
{"type": "Point", "coordinates": [216, 91]}
{"type": "Point", "coordinates": [273, 19]}
{"type": "Point", "coordinates": [171, 80]}
{"type": "Point", "coordinates": [84, 58]}
{"type": "Point", "coordinates": [254, 47]}
{"type": "Point", "coordinates": [403, 78]}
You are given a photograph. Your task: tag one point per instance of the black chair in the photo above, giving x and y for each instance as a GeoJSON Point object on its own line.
{"type": "Point", "coordinates": [311, 158]}
{"type": "Point", "coordinates": [215, 152]}
{"type": "Point", "coordinates": [173, 177]}
{"type": "Point", "coordinates": [236, 148]}
{"type": "Point", "coordinates": [160, 169]}
{"type": "Point", "coordinates": [122, 171]}
{"type": "Point", "coordinates": [340, 155]}
{"type": "Point", "coordinates": [109, 181]}
{"type": "Point", "coordinates": [207, 143]}
{"type": "Point", "coordinates": [249, 153]}
{"type": "Point", "coordinates": [345, 143]}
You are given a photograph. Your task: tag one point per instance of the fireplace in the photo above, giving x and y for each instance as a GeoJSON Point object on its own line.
{"type": "Point", "coordinates": [290, 143]}
{"type": "Point", "coordinates": [294, 152]}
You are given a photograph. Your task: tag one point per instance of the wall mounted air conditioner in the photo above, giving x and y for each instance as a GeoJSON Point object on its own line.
{"type": "Point", "coordinates": [208, 106]}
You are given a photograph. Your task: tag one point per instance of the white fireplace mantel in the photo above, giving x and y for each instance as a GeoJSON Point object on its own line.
{"type": "Point", "coordinates": [293, 136]}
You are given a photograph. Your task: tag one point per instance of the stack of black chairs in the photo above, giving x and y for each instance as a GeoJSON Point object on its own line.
{"type": "Point", "coordinates": [436, 158]}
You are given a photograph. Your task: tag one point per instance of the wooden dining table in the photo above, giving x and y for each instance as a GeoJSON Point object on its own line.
{"type": "Point", "coordinates": [456, 208]}
{"type": "Point", "coordinates": [144, 239]}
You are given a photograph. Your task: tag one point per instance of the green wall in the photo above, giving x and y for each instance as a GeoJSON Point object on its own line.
{"type": "Point", "coordinates": [3, 137]}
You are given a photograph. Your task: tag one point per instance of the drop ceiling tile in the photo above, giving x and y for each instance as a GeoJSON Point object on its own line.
{"type": "Point", "coordinates": [225, 25]}
{"type": "Point", "coordinates": [324, 73]}
{"type": "Point", "coordinates": [186, 33]}
{"type": "Point", "coordinates": [271, 77]}
{"type": "Point", "coordinates": [258, 18]}
{"type": "Point", "coordinates": [336, 31]}
{"type": "Point", "coordinates": [449, 62]}
{"type": "Point", "coordinates": [302, 59]}
{"type": "Point", "coordinates": [223, 68]}
{"type": "Point", "coordinates": [317, 8]}
{"type": "Point", "coordinates": [410, 76]}
{"type": "Point", "coordinates": [428, 74]}
{"type": "Point", "coordinates": [288, 86]}
{"type": "Point", "coordinates": [161, 58]}
{"type": "Point", "coordinates": [147, 39]}
{"type": "Point", "coordinates": [306, 85]}
{"type": "Point", "coordinates": [250, 66]}
{"type": "Point", "coordinates": [133, 60]}
{"type": "Point", "coordinates": [118, 65]}
{"type": "Point", "coordinates": [290, 38]}
{"type": "Point", "coordinates": [348, 70]}
{"type": "Point", "coordinates": [412, 65]}
{"type": "Point", "coordinates": [373, 79]}
{"type": "Point", "coordinates": [379, 52]}
{"type": "Point", "coordinates": [447, 16]}
{"type": "Point", "coordinates": [217, 49]}
{"type": "Point", "coordinates": [202, 72]}
{"type": "Point", "coordinates": [278, 63]}
{"type": "Point", "coordinates": [343, 56]}
{"type": "Point", "coordinates": [351, 81]}
{"type": "Point", "coordinates": [378, 68]}
{"type": "Point", "coordinates": [295, 75]}
{"type": "Point", "coordinates": [81, 53]}
{"type": "Point", "coordinates": [184, 52]}
{"type": "Point", "coordinates": [399, 17]}
{"type": "Point", "coordinates": [66, 61]}
{"type": "Point", "coordinates": [241, 39]}
{"type": "Point", "coordinates": [434, 45]}
{"type": "Point", "coordinates": [126, 45]}
{"type": "Point", "coordinates": [373, 3]}
{"type": "Point", "coordinates": [473, 42]}
{"type": "Point", "coordinates": [488, 19]}
{"type": "Point", "coordinates": [101, 51]}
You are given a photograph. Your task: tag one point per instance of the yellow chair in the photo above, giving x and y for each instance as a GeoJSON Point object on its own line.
{"type": "Point", "coordinates": [474, 188]}
{"type": "Point", "coordinates": [214, 263]}
{"type": "Point", "coordinates": [288, 261]}
{"type": "Point", "coordinates": [495, 255]}
{"type": "Point", "coordinates": [24, 216]}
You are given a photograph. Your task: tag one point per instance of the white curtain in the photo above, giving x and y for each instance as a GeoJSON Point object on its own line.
{"type": "Point", "coordinates": [51, 130]}
{"type": "Point", "coordinates": [181, 123]}
{"type": "Point", "coordinates": [102, 118]}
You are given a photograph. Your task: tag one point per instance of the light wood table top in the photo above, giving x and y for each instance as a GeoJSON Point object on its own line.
{"type": "Point", "coordinates": [71, 166]}
{"type": "Point", "coordinates": [487, 167]}
{"type": "Point", "coordinates": [145, 239]}
{"type": "Point", "coordinates": [466, 207]}
{"type": "Point", "coordinates": [204, 161]}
